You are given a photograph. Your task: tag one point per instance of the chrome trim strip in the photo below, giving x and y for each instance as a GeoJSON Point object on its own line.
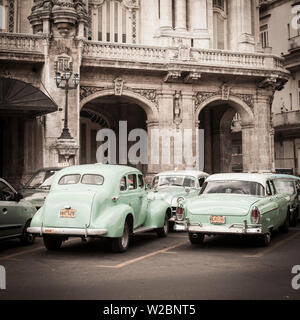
{"type": "Point", "coordinates": [233, 229]}
{"type": "Point", "coordinates": [68, 231]}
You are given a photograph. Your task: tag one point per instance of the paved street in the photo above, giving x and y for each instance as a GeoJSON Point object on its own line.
{"type": "Point", "coordinates": [153, 268]}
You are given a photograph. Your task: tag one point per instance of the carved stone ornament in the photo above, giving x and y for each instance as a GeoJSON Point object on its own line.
{"type": "Point", "coordinates": [225, 89]}
{"type": "Point", "coordinates": [149, 94]}
{"type": "Point", "coordinates": [192, 77]}
{"type": "Point", "coordinates": [173, 75]}
{"type": "Point", "coordinates": [177, 108]}
{"type": "Point", "coordinates": [96, 3]}
{"type": "Point", "coordinates": [64, 14]}
{"type": "Point", "coordinates": [119, 84]}
{"type": "Point", "coordinates": [201, 97]}
{"type": "Point", "coordinates": [86, 91]}
{"type": "Point", "coordinates": [272, 83]}
{"type": "Point", "coordinates": [63, 62]}
{"type": "Point", "coordinates": [131, 4]}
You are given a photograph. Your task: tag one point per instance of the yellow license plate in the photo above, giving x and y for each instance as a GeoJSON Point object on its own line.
{"type": "Point", "coordinates": [67, 213]}
{"type": "Point", "coordinates": [217, 220]}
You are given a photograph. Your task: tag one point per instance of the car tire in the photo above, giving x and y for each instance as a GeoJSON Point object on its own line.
{"type": "Point", "coordinates": [264, 240]}
{"type": "Point", "coordinates": [27, 238]}
{"type": "Point", "coordinates": [163, 232]}
{"type": "Point", "coordinates": [171, 226]}
{"type": "Point", "coordinates": [196, 238]}
{"type": "Point", "coordinates": [52, 243]}
{"type": "Point", "coordinates": [121, 244]}
{"type": "Point", "coordinates": [294, 219]}
{"type": "Point", "coordinates": [285, 227]}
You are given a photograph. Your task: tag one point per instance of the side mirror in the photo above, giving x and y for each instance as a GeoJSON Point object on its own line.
{"type": "Point", "coordinates": [18, 197]}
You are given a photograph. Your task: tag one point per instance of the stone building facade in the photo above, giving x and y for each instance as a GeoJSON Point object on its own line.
{"type": "Point", "coordinates": [281, 20]}
{"type": "Point", "coordinates": [157, 64]}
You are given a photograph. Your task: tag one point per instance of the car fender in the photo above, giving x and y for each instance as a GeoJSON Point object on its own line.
{"type": "Point", "coordinates": [112, 219]}
{"type": "Point", "coordinates": [37, 219]}
{"type": "Point", "coordinates": [156, 213]}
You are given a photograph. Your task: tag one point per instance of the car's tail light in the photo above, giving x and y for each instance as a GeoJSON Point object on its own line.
{"type": "Point", "coordinates": [179, 213]}
{"type": "Point", "coordinates": [255, 215]}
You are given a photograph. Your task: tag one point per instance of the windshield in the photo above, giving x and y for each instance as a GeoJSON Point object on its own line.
{"type": "Point", "coordinates": [284, 186]}
{"type": "Point", "coordinates": [233, 187]}
{"type": "Point", "coordinates": [179, 181]}
{"type": "Point", "coordinates": [41, 179]}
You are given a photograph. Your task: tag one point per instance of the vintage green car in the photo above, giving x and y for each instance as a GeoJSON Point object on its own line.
{"type": "Point", "coordinates": [285, 183]}
{"type": "Point", "coordinates": [235, 203]}
{"type": "Point", "coordinates": [172, 186]}
{"type": "Point", "coordinates": [15, 214]}
{"type": "Point", "coordinates": [99, 200]}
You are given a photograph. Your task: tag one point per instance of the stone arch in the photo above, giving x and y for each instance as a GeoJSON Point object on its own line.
{"type": "Point", "coordinates": [149, 107]}
{"type": "Point", "coordinates": [236, 103]}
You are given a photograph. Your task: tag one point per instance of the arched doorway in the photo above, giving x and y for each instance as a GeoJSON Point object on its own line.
{"type": "Point", "coordinates": [222, 122]}
{"type": "Point", "coordinates": [109, 111]}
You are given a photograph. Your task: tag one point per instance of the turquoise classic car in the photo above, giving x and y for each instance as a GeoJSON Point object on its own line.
{"type": "Point", "coordinates": [172, 186]}
{"type": "Point", "coordinates": [99, 201]}
{"type": "Point", "coordinates": [235, 203]}
{"type": "Point", "coordinates": [15, 214]}
{"type": "Point", "coordinates": [285, 183]}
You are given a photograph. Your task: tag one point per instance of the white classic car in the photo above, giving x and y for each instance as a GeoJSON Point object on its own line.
{"type": "Point", "coordinates": [173, 185]}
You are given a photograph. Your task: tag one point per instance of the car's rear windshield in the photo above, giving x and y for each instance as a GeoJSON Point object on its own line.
{"type": "Point", "coordinates": [233, 187]}
{"type": "Point", "coordinates": [94, 179]}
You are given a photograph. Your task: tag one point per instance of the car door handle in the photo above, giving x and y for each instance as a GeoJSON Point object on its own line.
{"type": "Point", "coordinates": [4, 210]}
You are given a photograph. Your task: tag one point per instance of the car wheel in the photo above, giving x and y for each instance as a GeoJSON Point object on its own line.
{"type": "Point", "coordinates": [285, 227]}
{"type": "Point", "coordinates": [163, 232]}
{"type": "Point", "coordinates": [171, 226]}
{"type": "Point", "coordinates": [52, 243]}
{"type": "Point", "coordinates": [121, 244]}
{"type": "Point", "coordinates": [294, 218]}
{"type": "Point", "coordinates": [196, 238]}
{"type": "Point", "coordinates": [265, 239]}
{"type": "Point", "coordinates": [27, 238]}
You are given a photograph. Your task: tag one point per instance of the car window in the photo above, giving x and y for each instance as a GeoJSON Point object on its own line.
{"type": "Point", "coordinates": [141, 181]}
{"type": "Point", "coordinates": [272, 187]}
{"type": "Point", "coordinates": [69, 179]}
{"type": "Point", "coordinates": [41, 179]}
{"type": "Point", "coordinates": [233, 187]}
{"type": "Point", "coordinates": [123, 184]}
{"type": "Point", "coordinates": [132, 183]}
{"type": "Point", "coordinates": [92, 179]}
{"type": "Point", "coordinates": [6, 193]}
{"type": "Point", "coordinates": [285, 186]}
{"type": "Point", "coordinates": [201, 181]}
{"type": "Point", "coordinates": [269, 190]}
{"type": "Point", "coordinates": [189, 182]}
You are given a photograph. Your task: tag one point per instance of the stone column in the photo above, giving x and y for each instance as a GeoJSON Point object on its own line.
{"type": "Point", "coordinates": [207, 141]}
{"type": "Point", "coordinates": [166, 14]}
{"type": "Point", "coordinates": [250, 149]}
{"type": "Point", "coordinates": [198, 17]}
{"type": "Point", "coordinates": [180, 15]}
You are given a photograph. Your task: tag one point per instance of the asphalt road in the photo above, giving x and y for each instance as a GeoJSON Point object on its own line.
{"type": "Point", "coordinates": [153, 268]}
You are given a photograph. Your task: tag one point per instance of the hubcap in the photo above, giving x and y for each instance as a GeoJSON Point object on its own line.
{"type": "Point", "coordinates": [125, 238]}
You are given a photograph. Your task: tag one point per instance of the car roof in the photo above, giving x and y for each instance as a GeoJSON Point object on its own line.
{"type": "Point", "coordinates": [98, 168]}
{"type": "Point", "coordinates": [193, 173]}
{"type": "Point", "coordinates": [255, 177]}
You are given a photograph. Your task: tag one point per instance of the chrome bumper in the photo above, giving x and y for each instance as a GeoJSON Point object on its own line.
{"type": "Point", "coordinates": [67, 231]}
{"type": "Point", "coordinates": [242, 228]}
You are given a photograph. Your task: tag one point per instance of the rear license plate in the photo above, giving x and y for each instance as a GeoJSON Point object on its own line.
{"type": "Point", "coordinates": [217, 220]}
{"type": "Point", "coordinates": [67, 213]}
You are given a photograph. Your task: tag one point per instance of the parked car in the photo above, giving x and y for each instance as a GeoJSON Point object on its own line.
{"type": "Point", "coordinates": [15, 214]}
{"type": "Point", "coordinates": [235, 203]}
{"type": "Point", "coordinates": [173, 185]}
{"type": "Point", "coordinates": [290, 184]}
{"type": "Point", "coordinates": [99, 201]}
{"type": "Point", "coordinates": [38, 186]}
